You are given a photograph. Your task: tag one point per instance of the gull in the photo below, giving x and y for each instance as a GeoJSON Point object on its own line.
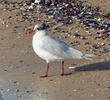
{"type": "Point", "coordinates": [51, 49]}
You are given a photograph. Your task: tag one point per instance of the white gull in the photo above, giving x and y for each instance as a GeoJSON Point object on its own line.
{"type": "Point", "coordinates": [51, 49]}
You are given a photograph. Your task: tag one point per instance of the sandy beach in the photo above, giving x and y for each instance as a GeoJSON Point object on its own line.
{"type": "Point", "coordinates": [20, 67]}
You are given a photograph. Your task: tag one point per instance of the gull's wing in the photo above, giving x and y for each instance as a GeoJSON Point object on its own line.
{"type": "Point", "coordinates": [58, 48]}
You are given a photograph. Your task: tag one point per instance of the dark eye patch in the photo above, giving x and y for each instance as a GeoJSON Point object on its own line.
{"type": "Point", "coordinates": [38, 28]}
{"type": "Point", "coordinates": [42, 27]}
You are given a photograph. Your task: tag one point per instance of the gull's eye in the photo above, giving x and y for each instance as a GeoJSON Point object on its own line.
{"type": "Point", "coordinates": [38, 28]}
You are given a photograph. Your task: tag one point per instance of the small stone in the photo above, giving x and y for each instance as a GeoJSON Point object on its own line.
{"type": "Point", "coordinates": [105, 50]}
{"type": "Point", "coordinates": [82, 37]}
{"type": "Point", "coordinates": [27, 91]}
{"type": "Point", "coordinates": [2, 38]}
{"type": "Point", "coordinates": [92, 95]}
{"type": "Point", "coordinates": [51, 80]}
{"type": "Point", "coordinates": [31, 7]}
{"type": "Point", "coordinates": [37, 1]}
{"type": "Point", "coordinates": [8, 90]}
{"type": "Point", "coordinates": [71, 42]}
{"type": "Point", "coordinates": [89, 32]}
{"type": "Point", "coordinates": [55, 82]}
{"type": "Point", "coordinates": [15, 82]}
{"type": "Point", "coordinates": [108, 87]}
{"type": "Point", "coordinates": [5, 70]}
{"type": "Point", "coordinates": [87, 43]}
{"type": "Point", "coordinates": [21, 61]}
{"type": "Point", "coordinates": [74, 90]}
{"type": "Point", "coordinates": [33, 72]}
{"type": "Point", "coordinates": [102, 44]}
{"type": "Point", "coordinates": [94, 50]}
{"type": "Point", "coordinates": [17, 90]}
{"type": "Point", "coordinates": [76, 35]}
{"type": "Point", "coordinates": [95, 46]}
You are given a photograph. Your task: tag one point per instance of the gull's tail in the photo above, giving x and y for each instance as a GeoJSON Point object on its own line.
{"type": "Point", "coordinates": [88, 56]}
{"type": "Point", "coordinates": [79, 55]}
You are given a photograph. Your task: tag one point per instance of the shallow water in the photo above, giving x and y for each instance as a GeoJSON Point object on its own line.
{"type": "Point", "coordinates": [9, 92]}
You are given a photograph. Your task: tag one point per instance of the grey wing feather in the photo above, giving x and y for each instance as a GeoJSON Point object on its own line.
{"type": "Point", "coordinates": [60, 48]}
{"type": "Point", "coordinates": [55, 47]}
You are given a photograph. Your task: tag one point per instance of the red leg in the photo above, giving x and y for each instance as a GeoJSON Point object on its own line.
{"type": "Point", "coordinates": [47, 68]}
{"type": "Point", "coordinates": [62, 68]}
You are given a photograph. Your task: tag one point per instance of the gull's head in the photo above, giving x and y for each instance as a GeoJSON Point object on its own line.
{"type": "Point", "coordinates": [39, 27]}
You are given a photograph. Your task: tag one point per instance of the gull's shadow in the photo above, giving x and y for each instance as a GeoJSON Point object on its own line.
{"type": "Point", "coordinates": [90, 67]}
{"type": "Point", "coordinates": [93, 67]}
{"type": "Point", "coordinates": [67, 74]}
